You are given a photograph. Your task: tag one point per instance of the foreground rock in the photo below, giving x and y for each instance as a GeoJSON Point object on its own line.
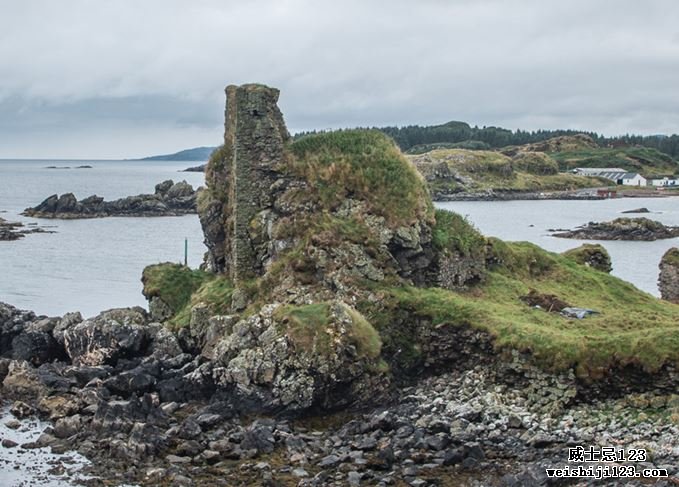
{"type": "Point", "coordinates": [622, 229]}
{"type": "Point", "coordinates": [145, 409]}
{"type": "Point", "coordinates": [169, 199]}
{"type": "Point", "coordinates": [668, 282]}
{"type": "Point", "coordinates": [15, 230]}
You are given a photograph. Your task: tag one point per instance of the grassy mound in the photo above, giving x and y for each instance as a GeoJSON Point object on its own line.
{"type": "Point", "coordinates": [593, 255]}
{"type": "Point", "coordinates": [366, 165]}
{"type": "Point", "coordinates": [632, 327]}
{"type": "Point", "coordinates": [452, 232]}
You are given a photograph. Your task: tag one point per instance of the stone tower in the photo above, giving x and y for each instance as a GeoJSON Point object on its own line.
{"type": "Point", "coordinates": [239, 179]}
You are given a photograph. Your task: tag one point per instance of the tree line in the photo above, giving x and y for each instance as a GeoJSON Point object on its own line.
{"type": "Point", "coordinates": [411, 136]}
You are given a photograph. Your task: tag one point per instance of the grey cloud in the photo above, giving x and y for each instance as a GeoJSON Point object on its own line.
{"type": "Point", "coordinates": [153, 72]}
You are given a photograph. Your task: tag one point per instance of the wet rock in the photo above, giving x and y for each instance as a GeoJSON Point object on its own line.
{"type": "Point", "coordinates": [7, 443]}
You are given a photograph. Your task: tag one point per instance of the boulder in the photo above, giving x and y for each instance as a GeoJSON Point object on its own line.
{"type": "Point", "coordinates": [109, 336]}
{"type": "Point", "coordinates": [298, 357]}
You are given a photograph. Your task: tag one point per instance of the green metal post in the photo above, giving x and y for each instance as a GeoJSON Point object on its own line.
{"type": "Point", "coordinates": [186, 252]}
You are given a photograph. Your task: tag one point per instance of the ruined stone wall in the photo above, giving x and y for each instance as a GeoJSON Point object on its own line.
{"type": "Point", "coordinates": [240, 178]}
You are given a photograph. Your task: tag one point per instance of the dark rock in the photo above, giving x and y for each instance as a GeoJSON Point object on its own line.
{"type": "Point", "coordinates": [200, 168]}
{"type": "Point", "coordinates": [21, 410]}
{"type": "Point", "coordinates": [133, 382]}
{"type": "Point", "coordinates": [668, 282]}
{"type": "Point", "coordinates": [36, 347]}
{"type": "Point", "coordinates": [189, 430]}
{"type": "Point", "coordinates": [637, 210]}
{"type": "Point", "coordinates": [7, 443]}
{"type": "Point", "coordinates": [170, 199]}
{"type": "Point", "coordinates": [622, 229]}
{"type": "Point", "coordinates": [104, 339]}
{"type": "Point", "coordinates": [259, 438]}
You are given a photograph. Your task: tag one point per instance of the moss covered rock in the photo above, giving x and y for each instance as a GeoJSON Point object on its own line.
{"type": "Point", "coordinates": [591, 255]}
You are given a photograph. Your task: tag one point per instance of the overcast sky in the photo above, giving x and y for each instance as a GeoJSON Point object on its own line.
{"type": "Point", "coordinates": [128, 78]}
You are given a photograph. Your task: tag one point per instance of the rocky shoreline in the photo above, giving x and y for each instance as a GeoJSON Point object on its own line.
{"type": "Point", "coordinates": [169, 199]}
{"type": "Point", "coordinates": [10, 231]}
{"type": "Point", "coordinates": [493, 195]}
{"type": "Point", "coordinates": [134, 399]}
{"type": "Point", "coordinates": [639, 229]}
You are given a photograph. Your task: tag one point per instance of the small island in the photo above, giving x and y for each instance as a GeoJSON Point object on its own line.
{"type": "Point", "coordinates": [169, 199]}
{"type": "Point", "coordinates": [622, 229]}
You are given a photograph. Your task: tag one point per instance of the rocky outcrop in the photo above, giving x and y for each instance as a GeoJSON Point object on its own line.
{"type": "Point", "coordinates": [169, 199]}
{"type": "Point", "coordinates": [15, 230]}
{"type": "Point", "coordinates": [622, 229]}
{"type": "Point", "coordinates": [200, 168]}
{"type": "Point", "coordinates": [668, 282]}
{"type": "Point", "coordinates": [473, 175]}
{"type": "Point", "coordinates": [637, 210]}
{"type": "Point", "coordinates": [591, 255]}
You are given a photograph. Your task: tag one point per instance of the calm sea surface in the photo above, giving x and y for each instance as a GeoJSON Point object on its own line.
{"type": "Point", "coordinates": [95, 264]}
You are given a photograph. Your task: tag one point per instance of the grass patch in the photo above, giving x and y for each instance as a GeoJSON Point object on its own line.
{"type": "Point", "coordinates": [183, 288]}
{"type": "Point", "coordinates": [214, 293]}
{"type": "Point", "coordinates": [452, 232]}
{"type": "Point", "coordinates": [173, 283]}
{"type": "Point", "coordinates": [306, 326]}
{"type": "Point", "coordinates": [632, 327]}
{"type": "Point", "coordinates": [366, 165]}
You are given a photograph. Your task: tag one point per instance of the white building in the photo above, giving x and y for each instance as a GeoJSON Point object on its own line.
{"type": "Point", "coordinates": [595, 171]}
{"type": "Point", "coordinates": [664, 182]}
{"type": "Point", "coordinates": [616, 174]}
{"type": "Point", "coordinates": [632, 179]}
